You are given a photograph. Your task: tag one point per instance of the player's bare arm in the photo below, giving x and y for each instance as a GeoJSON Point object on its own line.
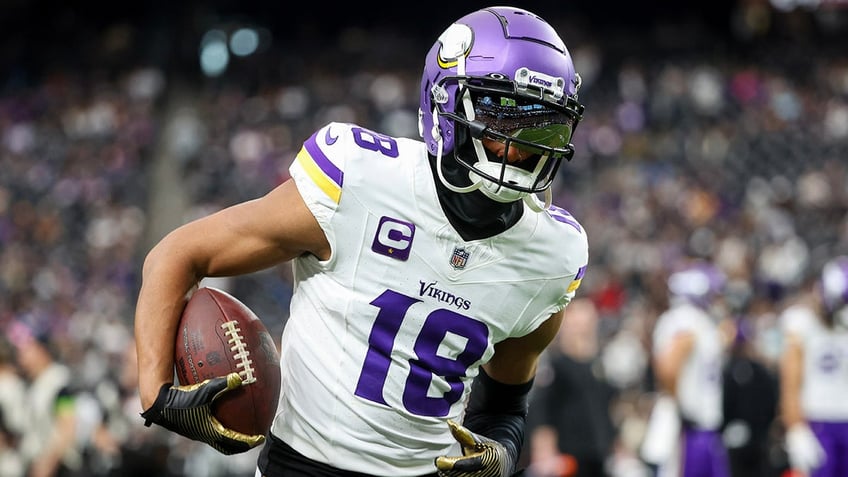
{"type": "Point", "coordinates": [791, 371]}
{"type": "Point", "coordinates": [516, 359]}
{"type": "Point", "coordinates": [240, 239]}
{"type": "Point", "coordinates": [667, 364]}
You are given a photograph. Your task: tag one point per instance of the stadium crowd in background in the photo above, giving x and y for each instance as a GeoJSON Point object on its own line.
{"type": "Point", "coordinates": [736, 156]}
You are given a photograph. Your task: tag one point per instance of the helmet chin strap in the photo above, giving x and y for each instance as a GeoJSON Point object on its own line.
{"type": "Point", "coordinates": [483, 158]}
{"type": "Point", "coordinates": [490, 190]}
{"type": "Point", "coordinates": [478, 146]}
{"type": "Point", "coordinates": [477, 182]}
{"type": "Point", "coordinates": [531, 199]}
{"type": "Point", "coordinates": [460, 190]}
{"type": "Point", "coordinates": [535, 205]}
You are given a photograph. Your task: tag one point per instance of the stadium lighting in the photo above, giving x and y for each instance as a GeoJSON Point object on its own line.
{"type": "Point", "coordinates": [214, 55]}
{"type": "Point", "coordinates": [244, 41]}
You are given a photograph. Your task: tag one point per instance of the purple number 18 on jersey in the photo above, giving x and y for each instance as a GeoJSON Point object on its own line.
{"type": "Point", "coordinates": [428, 364]}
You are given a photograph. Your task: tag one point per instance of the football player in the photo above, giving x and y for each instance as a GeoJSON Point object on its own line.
{"type": "Point", "coordinates": [420, 268]}
{"type": "Point", "coordinates": [814, 375]}
{"type": "Point", "coordinates": [684, 437]}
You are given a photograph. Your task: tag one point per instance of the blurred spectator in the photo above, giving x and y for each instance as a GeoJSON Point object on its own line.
{"type": "Point", "coordinates": [48, 445]}
{"type": "Point", "coordinates": [12, 412]}
{"type": "Point", "coordinates": [572, 433]}
{"type": "Point", "coordinates": [750, 397]}
{"type": "Point", "coordinates": [120, 445]}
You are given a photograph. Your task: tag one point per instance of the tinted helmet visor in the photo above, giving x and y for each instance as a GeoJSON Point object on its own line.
{"type": "Point", "coordinates": [527, 124]}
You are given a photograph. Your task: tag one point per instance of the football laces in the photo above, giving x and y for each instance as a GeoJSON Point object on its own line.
{"type": "Point", "coordinates": [240, 352]}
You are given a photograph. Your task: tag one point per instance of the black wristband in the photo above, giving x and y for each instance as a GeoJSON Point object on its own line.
{"type": "Point", "coordinates": [494, 397]}
{"type": "Point", "coordinates": [499, 411]}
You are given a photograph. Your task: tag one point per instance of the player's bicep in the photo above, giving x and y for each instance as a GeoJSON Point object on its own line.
{"type": "Point", "coordinates": [669, 360]}
{"type": "Point", "coordinates": [791, 378]}
{"type": "Point", "coordinates": [252, 235]}
{"type": "Point", "coordinates": [516, 359]}
{"type": "Point", "coordinates": [792, 363]}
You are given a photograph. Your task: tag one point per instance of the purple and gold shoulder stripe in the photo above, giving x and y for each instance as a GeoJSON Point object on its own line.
{"type": "Point", "coordinates": [575, 284]}
{"type": "Point", "coordinates": [326, 175]}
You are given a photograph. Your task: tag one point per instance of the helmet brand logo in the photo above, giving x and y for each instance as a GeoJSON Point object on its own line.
{"type": "Point", "coordinates": [540, 81]}
{"type": "Point", "coordinates": [553, 85]}
{"type": "Point", "coordinates": [393, 238]}
{"type": "Point", "coordinates": [459, 258]}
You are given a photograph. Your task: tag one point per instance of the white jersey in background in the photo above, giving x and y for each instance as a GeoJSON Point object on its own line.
{"type": "Point", "coordinates": [387, 335]}
{"type": "Point", "coordinates": [824, 390]}
{"type": "Point", "coordinates": [699, 386]}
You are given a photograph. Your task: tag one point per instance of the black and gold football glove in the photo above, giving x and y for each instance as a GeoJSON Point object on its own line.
{"type": "Point", "coordinates": [187, 410]}
{"type": "Point", "coordinates": [481, 456]}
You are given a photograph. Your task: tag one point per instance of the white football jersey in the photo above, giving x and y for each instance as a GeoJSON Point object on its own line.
{"type": "Point", "coordinates": [385, 337]}
{"type": "Point", "coordinates": [825, 369]}
{"type": "Point", "coordinates": [699, 386]}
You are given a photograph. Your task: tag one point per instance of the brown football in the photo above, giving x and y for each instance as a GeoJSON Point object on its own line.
{"type": "Point", "coordinates": [218, 335]}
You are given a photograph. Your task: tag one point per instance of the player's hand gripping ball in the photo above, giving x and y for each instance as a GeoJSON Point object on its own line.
{"type": "Point", "coordinates": [229, 376]}
{"type": "Point", "coordinates": [219, 335]}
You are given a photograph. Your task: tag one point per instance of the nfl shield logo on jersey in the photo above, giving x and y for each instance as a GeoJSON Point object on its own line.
{"type": "Point", "coordinates": [459, 258]}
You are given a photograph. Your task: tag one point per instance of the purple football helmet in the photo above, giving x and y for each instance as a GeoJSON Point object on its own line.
{"type": "Point", "coordinates": [834, 283]}
{"type": "Point", "coordinates": [503, 74]}
{"type": "Point", "coordinates": [698, 283]}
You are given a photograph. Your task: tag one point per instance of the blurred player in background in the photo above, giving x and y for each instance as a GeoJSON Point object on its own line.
{"type": "Point", "coordinates": [688, 353]}
{"type": "Point", "coordinates": [420, 267]}
{"type": "Point", "coordinates": [814, 375]}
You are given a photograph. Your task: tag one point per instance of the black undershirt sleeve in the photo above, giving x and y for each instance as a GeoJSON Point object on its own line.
{"type": "Point", "coordinates": [499, 411]}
